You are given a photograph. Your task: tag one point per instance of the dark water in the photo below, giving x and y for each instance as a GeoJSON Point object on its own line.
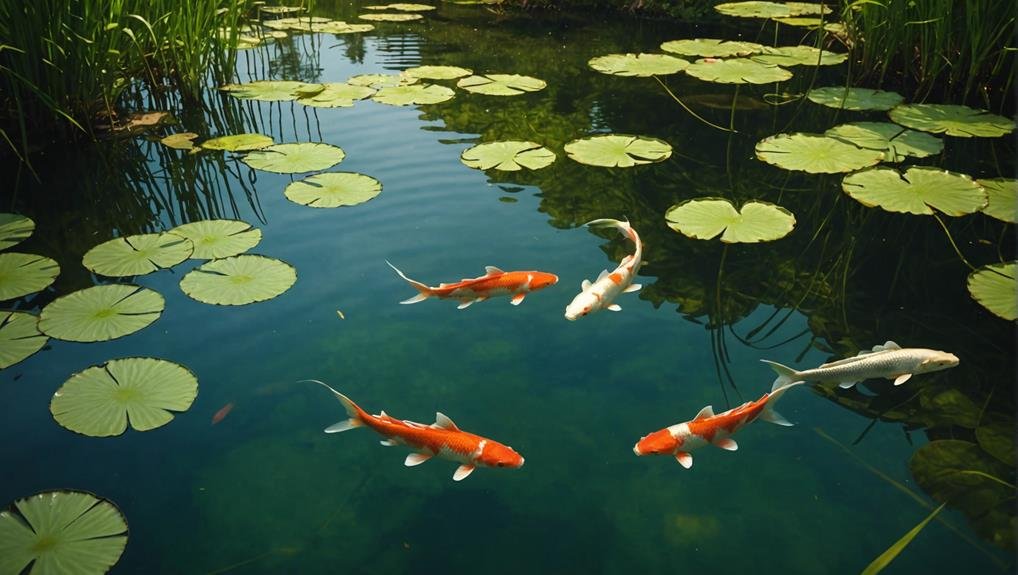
{"type": "Point", "coordinates": [265, 491]}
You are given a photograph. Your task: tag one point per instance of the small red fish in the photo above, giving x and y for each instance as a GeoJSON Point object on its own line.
{"type": "Point", "coordinates": [494, 282]}
{"type": "Point", "coordinates": [222, 413]}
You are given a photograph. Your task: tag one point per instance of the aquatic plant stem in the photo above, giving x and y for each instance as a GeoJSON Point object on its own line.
{"type": "Point", "coordinates": [950, 238]}
{"type": "Point", "coordinates": [686, 108]}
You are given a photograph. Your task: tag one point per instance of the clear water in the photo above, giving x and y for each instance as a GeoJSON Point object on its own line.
{"type": "Point", "coordinates": [265, 491]}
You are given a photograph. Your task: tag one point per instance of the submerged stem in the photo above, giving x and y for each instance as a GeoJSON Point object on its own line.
{"type": "Point", "coordinates": [950, 238]}
{"type": "Point", "coordinates": [686, 108]}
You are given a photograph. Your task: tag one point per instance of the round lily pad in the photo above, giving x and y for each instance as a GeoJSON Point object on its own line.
{"type": "Point", "coordinates": [339, 27]}
{"type": "Point", "coordinates": [384, 17]}
{"type": "Point", "coordinates": [799, 55]}
{"type": "Point", "coordinates": [219, 238]}
{"type": "Point", "coordinates": [19, 337]}
{"type": "Point", "coordinates": [180, 141]}
{"type": "Point", "coordinates": [803, 21]}
{"type": "Point", "coordinates": [953, 120]}
{"type": "Point", "coordinates": [337, 95]}
{"type": "Point", "coordinates": [239, 280]}
{"type": "Point", "coordinates": [280, 10]}
{"type": "Point", "coordinates": [22, 274]}
{"type": "Point", "coordinates": [618, 151]}
{"type": "Point", "coordinates": [919, 191]}
{"type": "Point", "coordinates": [995, 288]}
{"type": "Point", "coordinates": [413, 94]}
{"type": "Point", "coordinates": [381, 80]}
{"type": "Point", "coordinates": [1003, 199]}
{"type": "Point", "coordinates": [712, 48]}
{"type": "Point", "coordinates": [509, 156]}
{"type": "Point", "coordinates": [896, 142]}
{"type": "Point", "coordinates": [737, 71]}
{"type": "Point", "coordinates": [238, 142]}
{"type": "Point", "coordinates": [333, 189]}
{"type": "Point", "coordinates": [854, 98]}
{"type": "Point", "coordinates": [402, 7]}
{"type": "Point", "coordinates": [754, 9]}
{"type": "Point", "coordinates": [296, 24]}
{"type": "Point", "coordinates": [101, 400]}
{"type": "Point", "coordinates": [437, 72]}
{"type": "Point", "coordinates": [815, 154]}
{"type": "Point", "coordinates": [14, 229]}
{"type": "Point", "coordinates": [501, 84]}
{"type": "Point", "coordinates": [61, 532]}
{"type": "Point", "coordinates": [705, 218]}
{"type": "Point", "coordinates": [138, 255]}
{"type": "Point", "coordinates": [295, 158]}
{"type": "Point", "coordinates": [100, 313]}
{"type": "Point", "coordinates": [644, 65]}
{"type": "Point", "coordinates": [272, 90]}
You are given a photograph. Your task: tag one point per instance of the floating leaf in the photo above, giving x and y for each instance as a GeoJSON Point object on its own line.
{"type": "Point", "coordinates": [14, 229]}
{"type": "Point", "coordinates": [101, 400]}
{"type": "Point", "coordinates": [1003, 199]}
{"type": "Point", "coordinates": [337, 95]}
{"type": "Point", "coordinates": [437, 72]}
{"type": "Point", "coordinates": [390, 17]}
{"type": "Point", "coordinates": [854, 98]}
{"type": "Point", "coordinates": [100, 313]}
{"type": "Point", "coordinates": [501, 84]}
{"type": "Point", "coordinates": [180, 141]}
{"type": "Point", "coordinates": [896, 142]}
{"type": "Point", "coordinates": [885, 558]}
{"type": "Point", "coordinates": [644, 65]}
{"type": "Point", "coordinates": [919, 191]}
{"type": "Point", "coordinates": [238, 142]}
{"type": "Point", "coordinates": [509, 156]}
{"type": "Point", "coordinates": [705, 218]}
{"type": "Point", "coordinates": [298, 24]}
{"type": "Point", "coordinates": [413, 94]}
{"type": "Point", "coordinates": [137, 255]}
{"type": "Point", "coordinates": [61, 532]}
{"type": "Point", "coordinates": [815, 154]}
{"type": "Point", "coordinates": [995, 288]}
{"type": "Point", "coordinates": [402, 6]}
{"type": "Point", "coordinates": [295, 158]}
{"type": "Point", "coordinates": [381, 80]}
{"type": "Point", "coordinates": [805, 22]}
{"type": "Point", "coordinates": [339, 27]}
{"type": "Point", "coordinates": [799, 55]}
{"type": "Point", "coordinates": [995, 435]}
{"type": "Point", "coordinates": [618, 151]}
{"type": "Point", "coordinates": [952, 120]}
{"type": "Point", "coordinates": [711, 48]}
{"type": "Point", "coordinates": [737, 71]}
{"type": "Point", "coordinates": [272, 90]}
{"type": "Point", "coordinates": [333, 189]}
{"type": "Point", "coordinates": [280, 10]}
{"type": "Point", "coordinates": [219, 238]}
{"type": "Point", "coordinates": [771, 9]}
{"type": "Point", "coordinates": [19, 337]}
{"type": "Point", "coordinates": [22, 274]}
{"type": "Point", "coordinates": [238, 280]}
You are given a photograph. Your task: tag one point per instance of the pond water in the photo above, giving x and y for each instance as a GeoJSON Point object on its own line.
{"type": "Point", "coordinates": [265, 491]}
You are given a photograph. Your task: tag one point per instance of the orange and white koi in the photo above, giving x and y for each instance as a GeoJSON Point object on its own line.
{"type": "Point", "coordinates": [602, 292]}
{"type": "Point", "coordinates": [710, 429]}
{"type": "Point", "coordinates": [494, 282]}
{"type": "Point", "coordinates": [442, 439]}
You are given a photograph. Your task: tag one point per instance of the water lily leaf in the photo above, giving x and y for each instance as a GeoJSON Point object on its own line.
{"type": "Point", "coordinates": [22, 274]}
{"type": "Point", "coordinates": [799, 55]}
{"type": "Point", "coordinates": [754, 9]}
{"type": "Point", "coordinates": [239, 280]}
{"type": "Point", "coordinates": [896, 142]}
{"type": "Point", "coordinates": [381, 80]}
{"type": "Point", "coordinates": [618, 151]}
{"type": "Point", "coordinates": [711, 48]}
{"type": "Point", "coordinates": [438, 72]}
{"type": "Point", "coordinates": [100, 313]}
{"type": "Point", "coordinates": [333, 189]}
{"type": "Point", "coordinates": [815, 154]}
{"type": "Point", "coordinates": [995, 436]}
{"type": "Point", "coordinates": [179, 141]}
{"type": "Point", "coordinates": [19, 337]}
{"type": "Point", "coordinates": [138, 255]}
{"type": "Point", "coordinates": [509, 156]}
{"type": "Point", "coordinates": [340, 27]}
{"type": "Point", "coordinates": [737, 71]}
{"type": "Point", "coordinates": [705, 218]}
{"type": "Point", "coordinates": [643, 65]}
{"type": "Point", "coordinates": [383, 17]}
{"type": "Point", "coordinates": [952, 120]}
{"type": "Point", "coordinates": [805, 22]}
{"type": "Point", "coordinates": [280, 10]}
{"type": "Point", "coordinates": [413, 94]}
{"type": "Point", "coordinates": [65, 532]}
{"type": "Point", "coordinates": [238, 142]}
{"type": "Point", "coordinates": [337, 95]}
{"type": "Point", "coordinates": [296, 24]}
{"type": "Point", "coordinates": [14, 229]}
{"type": "Point", "coordinates": [995, 288]}
{"type": "Point", "coordinates": [501, 84]}
{"type": "Point", "coordinates": [219, 238]}
{"type": "Point", "coordinates": [401, 6]}
{"type": "Point", "coordinates": [295, 158]}
{"type": "Point", "coordinates": [1003, 199]}
{"type": "Point", "coordinates": [101, 400]}
{"type": "Point", "coordinates": [272, 90]}
{"type": "Point", "coordinates": [854, 98]}
{"type": "Point", "coordinates": [918, 191]}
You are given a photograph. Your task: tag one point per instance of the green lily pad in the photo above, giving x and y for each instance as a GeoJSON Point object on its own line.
{"type": "Point", "coordinates": [333, 189]}
{"type": "Point", "coordinates": [337, 95]}
{"type": "Point", "coordinates": [383, 17]}
{"type": "Point", "coordinates": [896, 142]}
{"type": "Point", "coordinates": [272, 90]}
{"type": "Point", "coordinates": [238, 143]}
{"type": "Point", "coordinates": [754, 9]}
{"type": "Point", "coordinates": [280, 10]}
{"type": "Point", "coordinates": [101, 400]}
{"type": "Point", "coordinates": [19, 337]}
{"type": "Point", "coordinates": [295, 158]}
{"type": "Point", "coordinates": [340, 27]}
{"type": "Point", "coordinates": [737, 71]}
{"type": "Point", "coordinates": [995, 288]}
{"type": "Point", "coordinates": [711, 48]}
{"type": "Point", "coordinates": [402, 7]}
{"type": "Point", "coordinates": [437, 72]}
{"type": "Point", "coordinates": [14, 229]}
{"type": "Point", "coordinates": [618, 151]}
{"type": "Point", "coordinates": [919, 191]}
{"type": "Point", "coordinates": [381, 80]}
{"type": "Point", "coordinates": [101, 313]}
{"type": "Point", "coordinates": [296, 24]}
{"type": "Point", "coordinates": [953, 120]}
{"type": "Point", "coordinates": [501, 84]}
{"type": "Point", "coordinates": [643, 65]}
{"type": "Point", "coordinates": [61, 532]}
{"type": "Point", "coordinates": [219, 238]}
{"type": "Point", "coordinates": [799, 55]}
{"type": "Point", "coordinates": [815, 154]}
{"type": "Point", "coordinates": [705, 218]}
{"type": "Point", "coordinates": [238, 280]}
{"type": "Point", "coordinates": [180, 141]}
{"type": "Point", "coordinates": [509, 156]}
{"type": "Point", "coordinates": [995, 436]}
{"type": "Point", "coordinates": [137, 255]}
{"type": "Point", "coordinates": [22, 274]}
{"type": "Point", "coordinates": [1003, 199]}
{"type": "Point", "coordinates": [413, 94]}
{"type": "Point", "coordinates": [803, 21]}
{"type": "Point", "coordinates": [854, 98]}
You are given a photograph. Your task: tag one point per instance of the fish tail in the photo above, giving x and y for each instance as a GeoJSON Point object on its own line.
{"type": "Point", "coordinates": [786, 374]}
{"type": "Point", "coordinates": [768, 413]}
{"type": "Point", "coordinates": [356, 413]}
{"type": "Point", "coordinates": [425, 291]}
{"type": "Point", "coordinates": [621, 225]}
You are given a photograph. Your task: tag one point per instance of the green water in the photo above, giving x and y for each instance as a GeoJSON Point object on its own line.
{"type": "Point", "coordinates": [265, 491]}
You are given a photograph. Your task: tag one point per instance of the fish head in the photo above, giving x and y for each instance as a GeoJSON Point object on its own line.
{"type": "Point", "coordinates": [661, 442]}
{"type": "Point", "coordinates": [582, 304]}
{"type": "Point", "coordinates": [495, 454]}
{"type": "Point", "coordinates": [540, 280]}
{"type": "Point", "coordinates": [937, 360]}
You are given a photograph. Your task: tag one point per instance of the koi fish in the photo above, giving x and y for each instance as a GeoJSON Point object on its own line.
{"type": "Point", "coordinates": [889, 361]}
{"type": "Point", "coordinates": [442, 438]}
{"type": "Point", "coordinates": [601, 293]}
{"type": "Point", "coordinates": [222, 413]}
{"type": "Point", "coordinates": [494, 282]}
{"type": "Point", "coordinates": [710, 429]}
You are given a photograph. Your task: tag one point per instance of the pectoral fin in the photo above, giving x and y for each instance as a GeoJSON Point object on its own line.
{"type": "Point", "coordinates": [462, 471]}
{"type": "Point", "coordinates": [632, 288]}
{"type": "Point", "coordinates": [388, 442]}
{"type": "Point", "coordinates": [517, 299]}
{"type": "Point", "coordinates": [846, 384]}
{"type": "Point", "coordinates": [585, 284]}
{"type": "Point", "coordinates": [684, 459]}
{"type": "Point", "coordinates": [726, 443]}
{"type": "Point", "coordinates": [902, 378]}
{"type": "Point", "coordinates": [614, 307]}
{"type": "Point", "coordinates": [416, 459]}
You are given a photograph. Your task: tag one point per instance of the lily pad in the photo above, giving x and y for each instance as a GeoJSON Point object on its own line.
{"type": "Point", "coordinates": [384, 17]}
{"type": "Point", "coordinates": [333, 189]}
{"type": "Point", "coordinates": [737, 71]}
{"type": "Point", "coordinates": [413, 94]}
{"type": "Point", "coordinates": [1003, 199]}
{"type": "Point", "coordinates": [437, 72]}
{"type": "Point", "coordinates": [995, 435]}
{"type": "Point", "coordinates": [919, 191]}
{"type": "Point", "coordinates": [799, 55]}
{"type": "Point", "coordinates": [180, 141]}
{"type": "Point", "coordinates": [19, 337]}
{"type": "Point", "coordinates": [705, 218]}
{"type": "Point", "coordinates": [995, 288]}
{"type": "Point", "coordinates": [272, 90]}
{"type": "Point", "coordinates": [501, 84]}
{"type": "Point", "coordinates": [280, 10]}
{"type": "Point", "coordinates": [896, 142]}
{"type": "Point", "coordinates": [296, 24]}
{"type": "Point", "coordinates": [14, 229]}
{"type": "Point", "coordinates": [238, 142]}
{"type": "Point", "coordinates": [643, 65]}
{"type": "Point", "coordinates": [712, 48]}
{"type": "Point", "coordinates": [219, 238]}
{"type": "Point", "coordinates": [101, 400]}
{"type": "Point", "coordinates": [854, 98]}
{"type": "Point", "coordinates": [137, 255]}
{"type": "Point", "coordinates": [239, 280]}
{"type": "Point", "coordinates": [402, 7]}
{"type": "Point", "coordinates": [803, 21]}
{"type": "Point", "coordinates": [101, 313]}
{"type": "Point", "coordinates": [337, 95]}
{"type": "Point", "coordinates": [381, 80]}
{"type": "Point", "coordinates": [815, 154]}
{"type": "Point", "coordinates": [953, 120]}
{"type": "Point", "coordinates": [754, 9]}
{"type": "Point", "coordinates": [295, 158]}
{"type": "Point", "coordinates": [61, 532]}
{"type": "Point", "coordinates": [509, 156]}
{"type": "Point", "coordinates": [340, 27]}
{"type": "Point", "coordinates": [22, 274]}
{"type": "Point", "coordinates": [618, 151]}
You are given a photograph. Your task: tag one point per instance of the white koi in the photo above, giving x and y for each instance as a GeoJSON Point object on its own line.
{"type": "Point", "coordinates": [602, 292]}
{"type": "Point", "coordinates": [889, 361]}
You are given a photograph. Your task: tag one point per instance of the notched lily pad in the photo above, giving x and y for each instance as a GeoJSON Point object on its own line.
{"type": "Point", "coordinates": [815, 154]}
{"type": "Point", "coordinates": [737, 71]}
{"type": "Point", "coordinates": [384, 17]}
{"type": "Point", "coordinates": [137, 255]}
{"type": "Point", "coordinates": [839, 97]}
{"type": "Point", "coordinates": [381, 80]}
{"type": "Point", "coordinates": [953, 120]}
{"type": "Point", "coordinates": [340, 27]}
{"type": "Point", "coordinates": [19, 337]}
{"type": "Point", "coordinates": [712, 48]}
{"type": "Point", "coordinates": [238, 142]}
{"type": "Point", "coordinates": [179, 141]}
{"type": "Point", "coordinates": [295, 158]}
{"type": "Point", "coordinates": [14, 229]}
{"type": "Point", "coordinates": [219, 238]}
{"type": "Point", "coordinates": [919, 191]}
{"type": "Point", "coordinates": [272, 90]}
{"type": "Point", "coordinates": [23, 274]}
{"type": "Point", "coordinates": [437, 72]}
{"type": "Point", "coordinates": [333, 189]}
{"type": "Point", "coordinates": [618, 151]}
{"type": "Point", "coordinates": [101, 313]}
{"type": "Point", "coordinates": [501, 84]}
{"type": "Point", "coordinates": [337, 95]}
{"type": "Point", "coordinates": [643, 65]}
{"type": "Point", "coordinates": [414, 94]}
{"type": "Point", "coordinates": [799, 56]}
{"type": "Point", "coordinates": [509, 156]}
{"type": "Point", "coordinates": [895, 141]}
{"type": "Point", "coordinates": [995, 288]}
{"type": "Point", "coordinates": [755, 9]}
{"type": "Point", "coordinates": [705, 218]}
{"type": "Point", "coordinates": [1003, 199]}
{"type": "Point", "coordinates": [239, 280]}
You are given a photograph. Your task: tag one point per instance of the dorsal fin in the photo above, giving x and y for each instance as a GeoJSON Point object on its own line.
{"type": "Point", "coordinates": [443, 422]}
{"type": "Point", "coordinates": [704, 413]}
{"type": "Point", "coordinates": [383, 414]}
{"type": "Point", "coordinates": [585, 284]}
{"type": "Point", "coordinates": [602, 275]}
{"type": "Point", "coordinates": [888, 346]}
{"type": "Point", "coordinates": [492, 270]}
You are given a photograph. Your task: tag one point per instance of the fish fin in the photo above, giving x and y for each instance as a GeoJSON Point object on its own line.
{"type": "Point", "coordinates": [847, 384]}
{"type": "Point", "coordinates": [463, 471]}
{"type": "Point", "coordinates": [351, 408]}
{"type": "Point", "coordinates": [492, 270]}
{"type": "Point", "coordinates": [888, 346]}
{"type": "Point", "coordinates": [614, 307]}
{"type": "Point", "coordinates": [465, 303]}
{"type": "Point", "coordinates": [704, 413]}
{"type": "Point", "coordinates": [902, 378]}
{"type": "Point", "coordinates": [517, 299]}
{"type": "Point", "coordinates": [768, 413]}
{"type": "Point", "coordinates": [345, 425]}
{"type": "Point", "coordinates": [417, 298]}
{"type": "Point", "coordinates": [416, 458]}
{"type": "Point", "coordinates": [585, 285]}
{"type": "Point", "coordinates": [786, 374]}
{"type": "Point", "coordinates": [442, 421]}
{"type": "Point", "coordinates": [425, 290]}
{"type": "Point", "coordinates": [383, 414]}
{"type": "Point", "coordinates": [388, 442]}
{"type": "Point", "coordinates": [632, 288]}
{"type": "Point", "coordinates": [602, 275]}
{"type": "Point", "coordinates": [727, 444]}
{"type": "Point", "coordinates": [684, 459]}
